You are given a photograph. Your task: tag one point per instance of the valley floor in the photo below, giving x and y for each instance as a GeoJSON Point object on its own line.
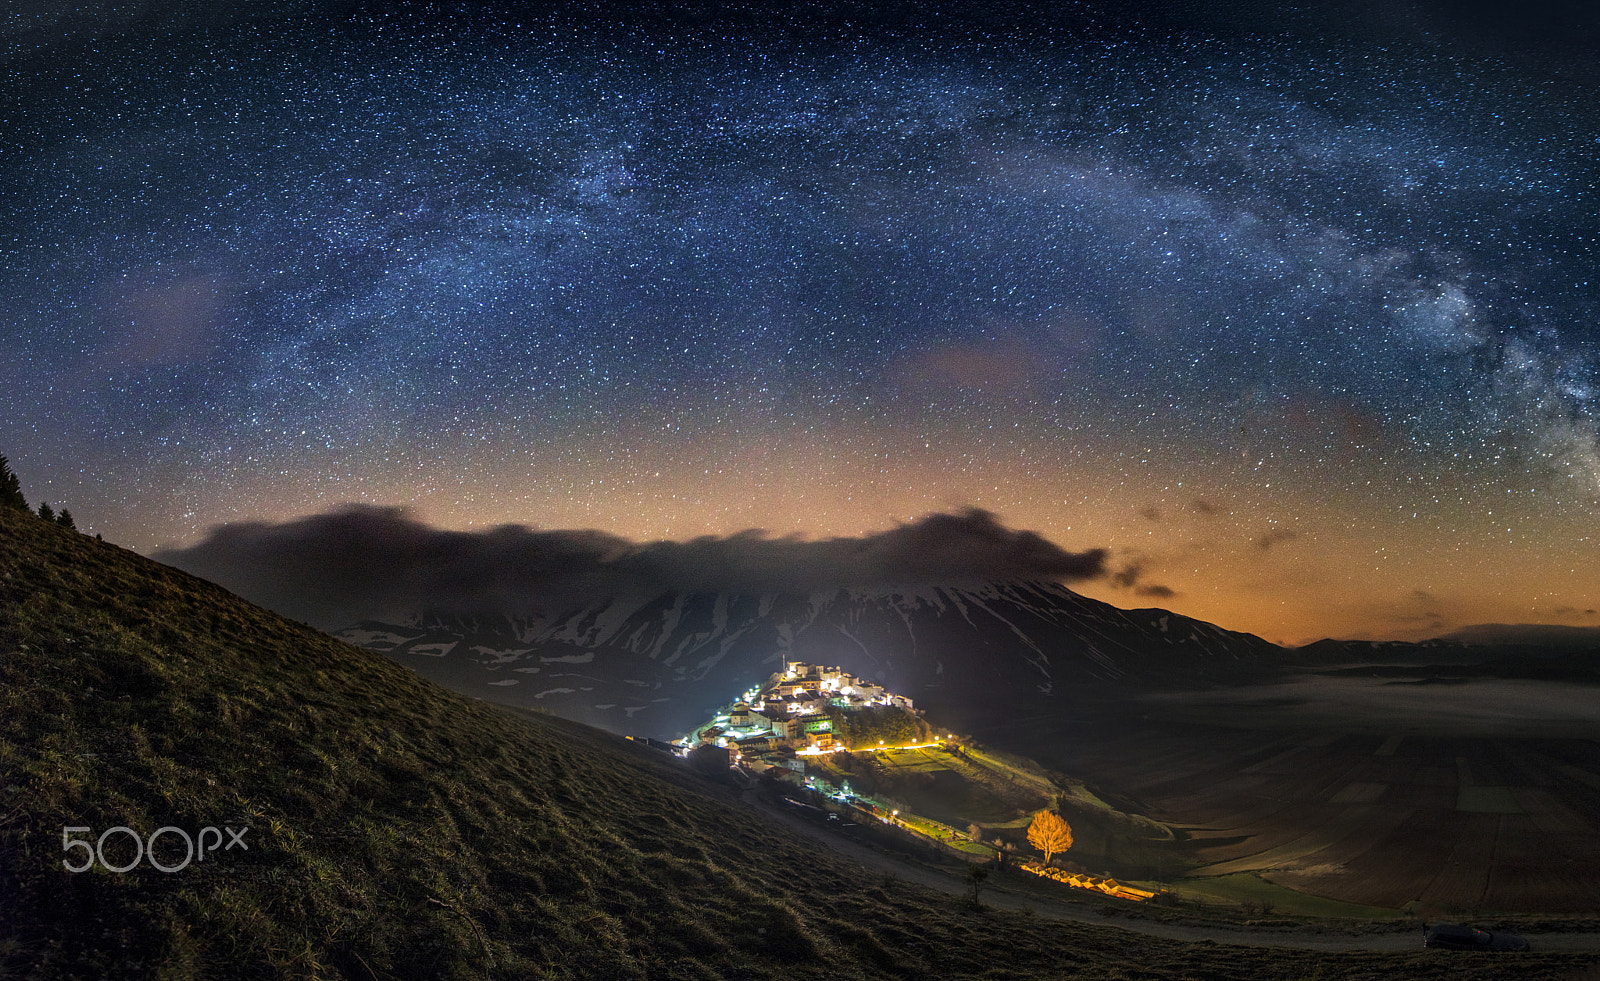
{"type": "Point", "coordinates": [1440, 822]}
{"type": "Point", "coordinates": [1019, 893]}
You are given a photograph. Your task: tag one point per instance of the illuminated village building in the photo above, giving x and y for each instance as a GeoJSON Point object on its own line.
{"type": "Point", "coordinates": [788, 713]}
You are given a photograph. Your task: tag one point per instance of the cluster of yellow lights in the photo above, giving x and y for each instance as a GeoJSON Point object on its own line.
{"type": "Point", "coordinates": [814, 751]}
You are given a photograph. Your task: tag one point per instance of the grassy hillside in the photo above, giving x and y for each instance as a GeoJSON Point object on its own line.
{"type": "Point", "coordinates": [397, 830]}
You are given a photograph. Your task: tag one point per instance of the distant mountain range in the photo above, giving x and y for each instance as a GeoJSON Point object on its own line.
{"type": "Point", "coordinates": [654, 665]}
{"type": "Point", "coordinates": [972, 654]}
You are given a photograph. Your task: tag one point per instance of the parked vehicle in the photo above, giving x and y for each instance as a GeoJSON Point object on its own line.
{"type": "Point", "coordinates": [1454, 936]}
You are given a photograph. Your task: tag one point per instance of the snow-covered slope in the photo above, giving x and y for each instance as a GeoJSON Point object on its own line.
{"type": "Point", "coordinates": [655, 664]}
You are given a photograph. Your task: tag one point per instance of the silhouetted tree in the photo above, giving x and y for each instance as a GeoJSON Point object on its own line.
{"type": "Point", "coordinates": [10, 488]}
{"type": "Point", "coordinates": [46, 511]}
{"type": "Point", "coordinates": [975, 876]}
{"type": "Point", "coordinates": [64, 519]}
{"type": "Point", "coordinates": [1050, 834]}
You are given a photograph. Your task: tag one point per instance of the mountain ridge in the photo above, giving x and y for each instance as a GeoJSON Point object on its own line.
{"type": "Point", "coordinates": [649, 660]}
{"type": "Point", "coordinates": [652, 663]}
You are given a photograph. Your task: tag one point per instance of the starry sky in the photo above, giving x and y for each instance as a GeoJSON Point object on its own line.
{"type": "Point", "coordinates": [1293, 314]}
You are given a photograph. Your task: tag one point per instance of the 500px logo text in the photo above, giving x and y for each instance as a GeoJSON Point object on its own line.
{"type": "Point", "coordinates": [176, 841]}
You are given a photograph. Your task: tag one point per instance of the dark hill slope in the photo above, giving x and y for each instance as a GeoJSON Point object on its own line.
{"type": "Point", "coordinates": [398, 830]}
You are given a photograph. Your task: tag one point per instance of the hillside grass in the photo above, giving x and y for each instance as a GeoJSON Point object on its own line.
{"type": "Point", "coordinates": [398, 830]}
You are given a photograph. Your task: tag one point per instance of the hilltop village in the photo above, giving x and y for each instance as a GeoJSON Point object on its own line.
{"type": "Point", "coordinates": [801, 710]}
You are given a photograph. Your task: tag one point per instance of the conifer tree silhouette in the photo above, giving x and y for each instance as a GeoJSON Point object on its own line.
{"type": "Point", "coordinates": [10, 488]}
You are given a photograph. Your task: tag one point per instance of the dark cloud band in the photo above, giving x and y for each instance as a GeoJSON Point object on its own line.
{"type": "Point", "coordinates": [359, 562]}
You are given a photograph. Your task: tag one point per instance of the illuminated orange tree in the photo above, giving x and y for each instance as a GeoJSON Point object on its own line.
{"type": "Point", "coordinates": [1050, 834]}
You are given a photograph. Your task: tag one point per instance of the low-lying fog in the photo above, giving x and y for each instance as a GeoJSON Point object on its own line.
{"type": "Point", "coordinates": [1488, 706]}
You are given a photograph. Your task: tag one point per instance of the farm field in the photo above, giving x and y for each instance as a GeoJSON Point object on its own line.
{"type": "Point", "coordinates": [945, 787]}
{"type": "Point", "coordinates": [1437, 821]}
{"type": "Point", "coordinates": [1244, 888]}
{"type": "Point", "coordinates": [1002, 792]}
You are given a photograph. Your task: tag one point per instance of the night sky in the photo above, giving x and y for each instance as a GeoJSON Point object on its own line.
{"type": "Point", "coordinates": [1294, 315]}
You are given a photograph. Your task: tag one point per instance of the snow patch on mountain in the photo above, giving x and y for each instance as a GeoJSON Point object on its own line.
{"type": "Point", "coordinates": [433, 650]}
